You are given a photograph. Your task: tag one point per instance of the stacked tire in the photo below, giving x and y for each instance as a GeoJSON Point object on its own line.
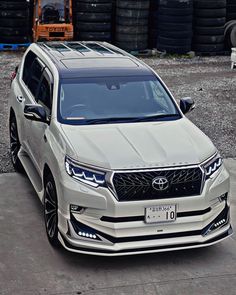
{"type": "Point", "coordinates": [209, 21]}
{"type": "Point", "coordinates": [231, 10]}
{"type": "Point", "coordinates": [132, 24]}
{"type": "Point", "coordinates": [175, 26]}
{"type": "Point", "coordinates": [153, 23]}
{"type": "Point", "coordinates": [93, 20]}
{"type": "Point", "coordinates": [15, 22]}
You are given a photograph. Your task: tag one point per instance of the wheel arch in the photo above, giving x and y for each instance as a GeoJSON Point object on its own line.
{"type": "Point", "coordinates": [46, 171]}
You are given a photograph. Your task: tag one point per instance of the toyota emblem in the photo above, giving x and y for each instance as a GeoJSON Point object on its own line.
{"type": "Point", "coordinates": [160, 183]}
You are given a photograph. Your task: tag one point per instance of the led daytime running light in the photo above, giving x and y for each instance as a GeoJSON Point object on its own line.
{"type": "Point", "coordinates": [93, 178]}
{"type": "Point", "coordinates": [212, 166]}
{"type": "Point", "coordinates": [87, 176]}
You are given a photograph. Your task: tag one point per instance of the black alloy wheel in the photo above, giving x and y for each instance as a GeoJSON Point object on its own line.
{"type": "Point", "coordinates": [15, 145]}
{"type": "Point", "coordinates": [50, 211]}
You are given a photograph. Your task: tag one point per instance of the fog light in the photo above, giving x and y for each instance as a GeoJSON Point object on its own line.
{"type": "Point", "coordinates": [87, 235]}
{"type": "Point", "coordinates": [221, 220]}
{"type": "Point", "coordinates": [223, 197]}
{"type": "Point", "coordinates": [219, 223]}
{"type": "Point", "coordinates": [77, 209]}
{"type": "Point", "coordinates": [83, 230]}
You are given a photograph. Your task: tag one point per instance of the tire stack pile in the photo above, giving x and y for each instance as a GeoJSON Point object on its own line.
{"type": "Point", "coordinates": [93, 20]}
{"type": "Point", "coordinates": [175, 26]}
{"type": "Point", "coordinates": [153, 23]}
{"type": "Point", "coordinates": [209, 21]}
{"type": "Point", "coordinates": [15, 22]}
{"type": "Point", "coordinates": [132, 24]}
{"type": "Point", "coordinates": [231, 10]}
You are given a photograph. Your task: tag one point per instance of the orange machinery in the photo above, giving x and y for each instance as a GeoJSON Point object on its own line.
{"type": "Point", "coordinates": [52, 20]}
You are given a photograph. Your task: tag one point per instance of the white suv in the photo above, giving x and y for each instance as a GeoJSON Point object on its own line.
{"type": "Point", "coordinates": [118, 167]}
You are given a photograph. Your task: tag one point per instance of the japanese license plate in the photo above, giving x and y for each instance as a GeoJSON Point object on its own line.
{"type": "Point", "coordinates": [160, 213]}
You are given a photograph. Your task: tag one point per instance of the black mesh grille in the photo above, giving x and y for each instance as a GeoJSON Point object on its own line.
{"type": "Point", "coordinates": [133, 186]}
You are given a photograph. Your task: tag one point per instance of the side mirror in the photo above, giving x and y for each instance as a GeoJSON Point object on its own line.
{"type": "Point", "coordinates": [187, 104]}
{"type": "Point", "coordinates": [36, 112]}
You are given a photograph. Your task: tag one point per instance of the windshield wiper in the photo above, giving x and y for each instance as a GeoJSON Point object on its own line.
{"type": "Point", "coordinates": [157, 117]}
{"type": "Point", "coordinates": [129, 119]}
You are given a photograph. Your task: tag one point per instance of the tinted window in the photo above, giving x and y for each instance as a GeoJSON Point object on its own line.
{"type": "Point", "coordinates": [124, 99]}
{"type": "Point", "coordinates": [29, 59]}
{"type": "Point", "coordinates": [44, 93]}
{"type": "Point", "coordinates": [35, 76]}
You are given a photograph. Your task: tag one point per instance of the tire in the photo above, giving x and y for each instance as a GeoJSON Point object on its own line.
{"type": "Point", "coordinates": [231, 16]}
{"type": "Point", "coordinates": [132, 29]}
{"type": "Point", "coordinates": [208, 22]}
{"type": "Point", "coordinates": [131, 37]}
{"type": "Point", "coordinates": [174, 42]}
{"type": "Point", "coordinates": [175, 19]}
{"type": "Point", "coordinates": [233, 37]}
{"type": "Point", "coordinates": [50, 202]}
{"type": "Point", "coordinates": [174, 27]}
{"type": "Point", "coordinates": [93, 27]}
{"type": "Point", "coordinates": [94, 7]}
{"type": "Point", "coordinates": [132, 45]}
{"type": "Point", "coordinates": [176, 3]}
{"type": "Point", "coordinates": [15, 145]}
{"type": "Point", "coordinates": [93, 17]}
{"type": "Point", "coordinates": [13, 31]}
{"type": "Point", "coordinates": [231, 8]}
{"type": "Point", "coordinates": [210, 3]}
{"type": "Point", "coordinates": [132, 13]}
{"type": "Point", "coordinates": [176, 35]}
{"type": "Point", "coordinates": [175, 11]}
{"type": "Point", "coordinates": [14, 23]}
{"type": "Point", "coordinates": [208, 39]}
{"type": "Point", "coordinates": [140, 4]}
{"type": "Point", "coordinates": [125, 21]}
{"type": "Point", "coordinates": [174, 49]}
{"type": "Point", "coordinates": [14, 13]}
{"type": "Point", "coordinates": [94, 36]}
{"type": "Point", "coordinates": [209, 30]}
{"type": "Point", "coordinates": [221, 12]}
{"type": "Point", "coordinates": [208, 47]}
{"type": "Point", "coordinates": [13, 5]}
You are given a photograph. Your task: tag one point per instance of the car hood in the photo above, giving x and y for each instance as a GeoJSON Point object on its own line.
{"type": "Point", "coordinates": [138, 145]}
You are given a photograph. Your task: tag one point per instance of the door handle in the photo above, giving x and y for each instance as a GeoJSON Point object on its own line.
{"type": "Point", "coordinates": [20, 98]}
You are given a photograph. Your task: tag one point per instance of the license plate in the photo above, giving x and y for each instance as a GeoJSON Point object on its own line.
{"type": "Point", "coordinates": [160, 213]}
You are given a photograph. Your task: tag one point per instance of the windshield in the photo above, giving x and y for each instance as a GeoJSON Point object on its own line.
{"type": "Point", "coordinates": [54, 11]}
{"type": "Point", "coordinates": [114, 99]}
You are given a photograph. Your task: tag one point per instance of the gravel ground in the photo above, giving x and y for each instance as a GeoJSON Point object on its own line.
{"type": "Point", "coordinates": [209, 81]}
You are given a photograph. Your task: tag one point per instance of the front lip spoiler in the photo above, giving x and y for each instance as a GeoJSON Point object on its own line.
{"type": "Point", "coordinates": [100, 252]}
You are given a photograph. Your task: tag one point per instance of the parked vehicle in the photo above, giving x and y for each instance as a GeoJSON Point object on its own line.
{"type": "Point", "coordinates": [118, 167]}
{"type": "Point", "coordinates": [52, 20]}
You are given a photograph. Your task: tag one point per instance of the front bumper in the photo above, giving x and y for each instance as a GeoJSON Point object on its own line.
{"type": "Point", "coordinates": [120, 228]}
{"type": "Point", "coordinates": [197, 242]}
{"type": "Point", "coordinates": [107, 245]}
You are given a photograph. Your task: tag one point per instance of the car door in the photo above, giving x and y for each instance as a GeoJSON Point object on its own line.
{"type": "Point", "coordinates": [31, 78]}
{"type": "Point", "coordinates": [38, 130]}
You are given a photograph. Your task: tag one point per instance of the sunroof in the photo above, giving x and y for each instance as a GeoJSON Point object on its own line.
{"type": "Point", "coordinates": [78, 63]}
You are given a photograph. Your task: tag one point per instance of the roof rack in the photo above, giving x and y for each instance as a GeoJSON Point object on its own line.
{"type": "Point", "coordinates": [82, 49]}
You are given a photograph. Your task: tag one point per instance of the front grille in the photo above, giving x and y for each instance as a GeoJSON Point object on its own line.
{"type": "Point", "coordinates": [137, 186]}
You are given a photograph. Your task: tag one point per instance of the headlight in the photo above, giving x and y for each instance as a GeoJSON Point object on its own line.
{"type": "Point", "coordinates": [85, 175]}
{"type": "Point", "coordinates": [212, 166]}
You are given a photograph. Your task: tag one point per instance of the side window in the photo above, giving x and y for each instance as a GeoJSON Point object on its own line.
{"type": "Point", "coordinates": [35, 77]}
{"type": "Point", "coordinates": [29, 60]}
{"type": "Point", "coordinates": [44, 96]}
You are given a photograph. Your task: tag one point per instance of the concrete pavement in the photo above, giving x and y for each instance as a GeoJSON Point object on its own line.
{"type": "Point", "coordinates": [29, 265]}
